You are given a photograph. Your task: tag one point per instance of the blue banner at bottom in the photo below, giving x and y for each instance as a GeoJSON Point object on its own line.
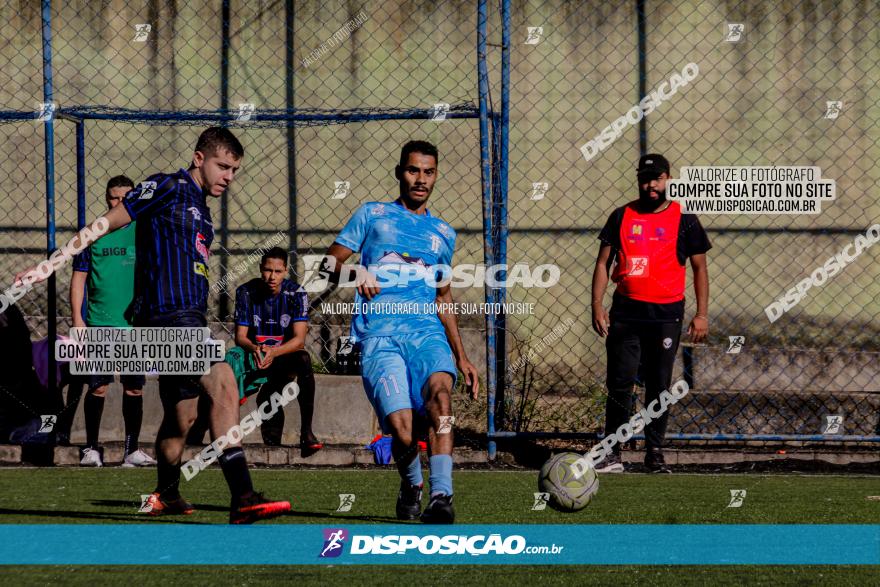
{"type": "Point", "coordinates": [304, 544]}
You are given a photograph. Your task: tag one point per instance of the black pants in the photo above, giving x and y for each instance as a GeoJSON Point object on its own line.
{"type": "Point", "coordinates": [654, 345]}
{"type": "Point", "coordinates": [284, 369]}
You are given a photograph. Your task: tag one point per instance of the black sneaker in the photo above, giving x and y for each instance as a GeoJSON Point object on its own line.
{"type": "Point", "coordinates": [409, 501]}
{"type": "Point", "coordinates": [655, 462]}
{"type": "Point", "coordinates": [611, 464]}
{"type": "Point", "coordinates": [439, 510]}
{"type": "Point", "coordinates": [255, 507]}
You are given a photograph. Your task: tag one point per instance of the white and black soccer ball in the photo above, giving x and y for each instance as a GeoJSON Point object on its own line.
{"type": "Point", "coordinates": [568, 492]}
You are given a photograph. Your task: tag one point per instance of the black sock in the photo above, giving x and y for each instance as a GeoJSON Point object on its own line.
{"type": "Point", "coordinates": [169, 478]}
{"type": "Point", "coordinates": [235, 469]}
{"type": "Point", "coordinates": [132, 415]}
{"type": "Point", "coordinates": [93, 408]}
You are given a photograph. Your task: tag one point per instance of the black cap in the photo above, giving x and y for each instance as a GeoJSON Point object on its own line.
{"type": "Point", "coordinates": [653, 163]}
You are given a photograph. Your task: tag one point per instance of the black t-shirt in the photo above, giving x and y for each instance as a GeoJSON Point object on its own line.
{"type": "Point", "coordinates": [692, 240]}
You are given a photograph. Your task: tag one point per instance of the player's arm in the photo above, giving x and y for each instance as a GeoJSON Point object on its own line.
{"type": "Point", "coordinates": [297, 343]}
{"type": "Point", "coordinates": [242, 340]}
{"type": "Point", "coordinates": [112, 220]}
{"type": "Point", "coordinates": [243, 313]}
{"type": "Point", "coordinates": [601, 321]}
{"type": "Point", "coordinates": [77, 294]}
{"type": "Point", "coordinates": [699, 326]}
{"type": "Point", "coordinates": [334, 265]}
{"type": "Point", "coordinates": [299, 327]}
{"type": "Point", "coordinates": [450, 325]}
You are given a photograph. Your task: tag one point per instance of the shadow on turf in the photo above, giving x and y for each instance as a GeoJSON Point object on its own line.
{"type": "Point", "coordinates": [204, 507]}
{"type": "Point", "coordinates": [96, 515]}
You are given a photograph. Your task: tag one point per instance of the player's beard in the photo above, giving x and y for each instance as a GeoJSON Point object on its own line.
{"type": "Point", "coordinates": [646, 203]}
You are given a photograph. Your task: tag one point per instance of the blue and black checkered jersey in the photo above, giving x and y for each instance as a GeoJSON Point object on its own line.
{"type": "Point", "coordinates": [173, 240]}
{"type": "Point", "coordinates": [270, 318]}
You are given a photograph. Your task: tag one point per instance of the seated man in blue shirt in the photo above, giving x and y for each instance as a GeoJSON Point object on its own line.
{"type": "Point", "coordinates": [271, 325]}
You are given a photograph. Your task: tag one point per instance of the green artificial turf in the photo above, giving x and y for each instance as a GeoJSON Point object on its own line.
{"type": "Point", "coordinates": [87, 496]}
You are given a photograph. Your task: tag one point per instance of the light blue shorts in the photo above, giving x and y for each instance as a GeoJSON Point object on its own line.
{"type": "Point", "coordinates": [395, 370]}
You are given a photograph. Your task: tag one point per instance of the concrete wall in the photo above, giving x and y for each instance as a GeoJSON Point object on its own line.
{"type": "Point", "coordinates": [756, 102]}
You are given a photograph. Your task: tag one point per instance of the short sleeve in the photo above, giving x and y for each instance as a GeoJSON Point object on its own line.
{"type": "Point", "coordinates": [353, 234]}
{"type": "Point", "coordinates": [242, 306]}
{"type": "Point", "coordinates": [692, 238]}
{"type": "Point", "coordinates": [300, 306]}
{"type": "Point", "coordinates": [150, 195]}
{"type": "Point", "coordinates": [83, 261]}
{"type": "Point", "coordinates": [610, 233]}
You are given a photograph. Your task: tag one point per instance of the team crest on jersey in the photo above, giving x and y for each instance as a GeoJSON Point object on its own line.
{"type": "Point", "coordinates": [195, 212]}
{"type": "Point", "coordinates": [636, 231]}
{"type": "Point", "coordinates": [201, 269]}
{"type": "Point", "coordinates": [394, 257]}
{"type": "Point", "coordinates": [285, 320]}
{"type": "Point", "coordinates": [147, 189]}
{"type": "Point", "coordinates": [200, 246]}
{"type": "Point", "coordinates": [256, 320]}
{"type": "Point", "coordinates": [378, 210]}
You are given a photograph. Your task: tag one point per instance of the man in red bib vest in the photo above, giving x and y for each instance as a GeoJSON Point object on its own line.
{"type": "Point", "coordinates": [648, 242]}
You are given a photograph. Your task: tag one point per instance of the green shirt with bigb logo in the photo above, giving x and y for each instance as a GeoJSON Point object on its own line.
{"type": "Point", "coordinates": [110, 285]}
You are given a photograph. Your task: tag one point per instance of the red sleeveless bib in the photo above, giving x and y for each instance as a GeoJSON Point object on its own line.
{"type": "Point", "coordinates": [647, 266]}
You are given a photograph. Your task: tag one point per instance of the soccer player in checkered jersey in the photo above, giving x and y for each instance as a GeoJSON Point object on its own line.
{"type": "Point", "coordinates": [650, 240]}
{"type": "Point", "coordinates": [173, 237]}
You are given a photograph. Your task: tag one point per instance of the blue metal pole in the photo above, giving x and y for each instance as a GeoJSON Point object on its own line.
{"type": "Point", "coordinates": [643, 75]}
{"type": "Point", "coordinates": [488, 241]}
{"type": "Point", "coordinates": [706, 436]}
{"type": "Point", "coordinates": [49, 152]}
{"type": "Point", "coordinates": [501, 230]}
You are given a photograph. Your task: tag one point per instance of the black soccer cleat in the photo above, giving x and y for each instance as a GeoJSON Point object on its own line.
{"type": "Point", "coordinates": [655, 462]}
{"type": "Point", "coordinates": [439, 510]}
{"type": "Point", "coordinates": [255, 507]}
{"type": "Point", "coordinates": [409, 501]}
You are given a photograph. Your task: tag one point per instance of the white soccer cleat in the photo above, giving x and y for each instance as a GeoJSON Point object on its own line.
{"type": "Point", "coordinates": [138, 459]}
{"type": "Point", "coordinates": [611, 464]}
{"type": "Point", "coordinates": [91, 458]}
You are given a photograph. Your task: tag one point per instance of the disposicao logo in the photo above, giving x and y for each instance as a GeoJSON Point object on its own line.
{"type": "Point", "coordinates": [334, 540]}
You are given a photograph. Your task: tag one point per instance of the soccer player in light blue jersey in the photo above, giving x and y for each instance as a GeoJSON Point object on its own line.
{"type": "Point", "coordinates": [411, 352]}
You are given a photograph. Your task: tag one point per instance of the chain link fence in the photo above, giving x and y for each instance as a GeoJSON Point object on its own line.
{"type": "Point", "coordinates": [322, 106]}
{"type": "Point", "coordinates": [761, 98]}
{"type": "Point", "coordinates": [323, 95]}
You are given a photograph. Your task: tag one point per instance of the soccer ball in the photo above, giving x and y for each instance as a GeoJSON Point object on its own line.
{"type": "Point", "coordinates": [568, 493]}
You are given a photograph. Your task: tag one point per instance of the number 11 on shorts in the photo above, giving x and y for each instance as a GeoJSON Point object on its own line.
{"type": "Point", "coordinates": [384, 382]}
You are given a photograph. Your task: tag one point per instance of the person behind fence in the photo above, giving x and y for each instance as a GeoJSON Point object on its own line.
{"type": "Point", "coordinates": [173, 236]}
{"type": "Point", "coordinates": [22, 399]}
{"type": "Point", "coordinates": [410, 361]}
{"type": "Point", "coordinates": [648, 242]}
{"type": "Point", "coordinates": [106, 271]}
{"type": "Point", "coordinates": [271, 325]}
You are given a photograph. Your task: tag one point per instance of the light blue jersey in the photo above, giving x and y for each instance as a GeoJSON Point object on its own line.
{"type": "Point", "coordinates": [393, 241]}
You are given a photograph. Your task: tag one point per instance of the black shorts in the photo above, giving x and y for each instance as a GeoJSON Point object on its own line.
{"type": "Point", "coordinates": [175, 388]}
{"type": "Point", "coordinates": [128, 381]}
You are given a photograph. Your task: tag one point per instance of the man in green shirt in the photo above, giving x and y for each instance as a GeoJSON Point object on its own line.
{"type": "Point", "coordinates": [106, 271]}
